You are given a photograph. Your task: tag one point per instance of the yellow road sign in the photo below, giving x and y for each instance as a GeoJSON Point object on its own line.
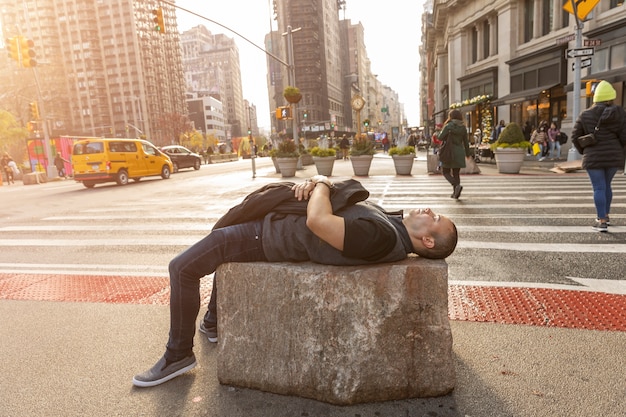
{"type": "Point", "coordinates": [583, 7]}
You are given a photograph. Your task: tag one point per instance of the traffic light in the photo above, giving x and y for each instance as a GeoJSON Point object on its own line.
{"type": "Point", "coordinates": [283, 113]}
{"type": "Point", "coordinates": [366, 123]}
{"type": "Point", "coordinates": [306, 114]}
{"type": "Point", "coordinates": [27, 53]}
{"type": "Point", "coordinates": [34, 110]}
{"type": "Point", "coordinates": [158, 19]}
{"type": "Point", "coordinates": [13, 48]}
{"type": "Point", "coordinates": [590, 87]}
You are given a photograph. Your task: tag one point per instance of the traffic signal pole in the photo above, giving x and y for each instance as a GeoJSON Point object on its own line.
{"type": "Point", "coordinates": [51, 169]}
{"type": "Point", "coordinates": [573, 154]}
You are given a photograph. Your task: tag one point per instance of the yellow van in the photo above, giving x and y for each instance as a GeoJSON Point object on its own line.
{"type": "Point", "coordinates": [99, 160]}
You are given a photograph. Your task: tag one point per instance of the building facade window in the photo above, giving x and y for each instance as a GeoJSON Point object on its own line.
{"type": "Point", "coordinates": [486, 39]}
{"type": "Point", "coordinates": [529, 20]}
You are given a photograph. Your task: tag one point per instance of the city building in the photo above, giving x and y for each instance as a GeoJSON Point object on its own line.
{"type": "Point", "coordinates": [509, 60]}
{"type": "Point", "coordinates": [330, 66]}
{"type": "Point", "coordinates": [207, 115]}
{"type": "Point", "coordinates": [212, 67]}
{"type": "Point", "coordinates": [103, 68]}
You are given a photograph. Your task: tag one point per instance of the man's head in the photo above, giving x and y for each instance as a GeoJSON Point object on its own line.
{"type": "Point", "coordinates": [433, 236]}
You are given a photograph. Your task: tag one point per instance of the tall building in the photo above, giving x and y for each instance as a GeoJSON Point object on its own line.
{"type": "Point", "coordinates": [317, 58]}
{"type": "Point", "coordinates": [330, 66]}
{"type": "Point", "coordinates": [103, 68]}
{"type": "Point", "coordinates": [211, 66]}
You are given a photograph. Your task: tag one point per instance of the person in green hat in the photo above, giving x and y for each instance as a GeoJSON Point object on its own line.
{"type": "Point", "coordinates": [603, 159]}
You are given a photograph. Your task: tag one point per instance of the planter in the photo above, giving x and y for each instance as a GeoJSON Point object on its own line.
{"type": "Point", "coordinates": [293, 99]}
{"type": "Point", "coordinates": [403, 163]}
{"type": "Point", "coordinates": [276, 165]}
{"type": "Point", "coordinates": [324, 164]}
{"type": "Point", "coordinates": [287, 166]}
{"type": "Point", "coordinates": [306, 159]}
{"type": "Point", "coordinates": [509, 160]}
{"type": "Point", "coordinates": [361, 164]}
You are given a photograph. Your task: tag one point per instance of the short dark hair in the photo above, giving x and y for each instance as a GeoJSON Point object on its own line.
{"type": "Point", "coordinates": [445, 244]}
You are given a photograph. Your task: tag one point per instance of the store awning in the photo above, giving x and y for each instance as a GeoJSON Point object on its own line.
{"type": "Point", "coordinates": [520, 96]}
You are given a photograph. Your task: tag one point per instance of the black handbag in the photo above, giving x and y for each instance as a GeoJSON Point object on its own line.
{"type": "Point", "coordinates": [445, 152]}
{"type": "Point", "coordinates": [589, 139]}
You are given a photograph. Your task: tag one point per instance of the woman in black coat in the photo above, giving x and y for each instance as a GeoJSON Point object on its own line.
{"type": "Point", "coordinates": [606, 157]}
{"type": "Point", "coordinates": [455, 132]}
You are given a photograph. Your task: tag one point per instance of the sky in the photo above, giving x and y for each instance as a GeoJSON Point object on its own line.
{"type": "Point", "coordinates": [392, 38]}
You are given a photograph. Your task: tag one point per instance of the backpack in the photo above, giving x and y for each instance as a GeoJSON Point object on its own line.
{"type": "Point", "coordinates": [562, 138]}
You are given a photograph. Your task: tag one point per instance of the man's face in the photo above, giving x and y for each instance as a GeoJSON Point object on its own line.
{"type": "Point", "coordinates": [423, 221]}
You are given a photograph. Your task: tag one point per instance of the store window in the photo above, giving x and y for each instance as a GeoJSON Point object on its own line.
{"type": "Point", "coordinates": [618, 56]}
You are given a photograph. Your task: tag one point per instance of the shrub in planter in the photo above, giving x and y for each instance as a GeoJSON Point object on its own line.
{"type": "Point", "coordinates": [402, 150]}
{"type": "Point", "coordinates": [362, 146]}
{"type": "Point", "coordinates": [511, 137]}
{"type": "Point", "coordinates": [322, 152]}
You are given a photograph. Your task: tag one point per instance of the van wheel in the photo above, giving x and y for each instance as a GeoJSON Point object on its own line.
{"type": "Point", "coordinates": [175, 165]}
{"type": "Point", "coordinates": [122, 177]}
{"type": "Point", "coordinates": [196, 165]}
{"type": "Point", "coordinates": [165, 172]}
{"type": "Point", "coordinates": [89, 184]}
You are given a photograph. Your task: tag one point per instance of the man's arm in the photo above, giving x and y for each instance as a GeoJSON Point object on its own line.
{"type": "Point", "coordinates": [320, 218]}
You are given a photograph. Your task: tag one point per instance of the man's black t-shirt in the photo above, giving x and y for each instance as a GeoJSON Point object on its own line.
{"type": "Point", "coordinates": [368, 239]}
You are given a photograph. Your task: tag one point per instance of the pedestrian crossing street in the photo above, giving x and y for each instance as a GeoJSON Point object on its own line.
{"type": "Point", "coordinates": [519, 230]}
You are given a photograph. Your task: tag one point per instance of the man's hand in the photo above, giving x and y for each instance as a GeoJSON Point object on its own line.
{"type": "Point", "coordinates": [303, 191]}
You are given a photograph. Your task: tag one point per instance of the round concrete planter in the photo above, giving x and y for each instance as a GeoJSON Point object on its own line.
{"type": "Point", "coordinates": [361, 164]}
{"type": "Point", "coordinates": [403, 163]}
{"type": "Point", "coordinates": [287, 166]}
{"type": "Point", "coordinates": [509, 160]}
{"type": "Point", "coordinates": [324, 164]}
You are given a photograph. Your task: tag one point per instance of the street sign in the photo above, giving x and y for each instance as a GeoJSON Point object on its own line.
{"type": "Point", "coordinates": [584, 63]}
{"type": "Point", "coordinates": [573, 53]}
{"type": "Point", "coordinates": [583, 7]}
{"type": "Point", "coordinates": [592, 42]}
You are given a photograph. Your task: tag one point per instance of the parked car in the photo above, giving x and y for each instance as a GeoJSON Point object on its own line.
{"type": "Point", "coordinates": [182, 157]}
{"type": "Point", "coordinates": [99, 160]}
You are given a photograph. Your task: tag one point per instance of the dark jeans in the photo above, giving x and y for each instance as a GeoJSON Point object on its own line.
{"type": "Point", "coordinates": [602, 193]}
{"type": "Point", "coordinates": [239, 243]}
{"type": "Point", "coordinates": [453, 178]}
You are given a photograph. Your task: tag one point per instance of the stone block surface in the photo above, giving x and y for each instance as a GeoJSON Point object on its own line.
{"type": "Point", "coordinates": [34, 178]}
{"type": "Point", "coordinates": [342, 335]}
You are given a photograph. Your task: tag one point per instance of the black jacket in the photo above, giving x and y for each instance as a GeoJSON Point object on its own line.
{"type": "Point", "coordinates": [278, 197]}
{"type": "Point", "coordinates": [609, 151]}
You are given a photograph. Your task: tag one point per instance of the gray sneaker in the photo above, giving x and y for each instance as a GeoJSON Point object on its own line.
{"type": "Point", "coordinates": [599, 226]}
{"type": "Point", "coordinates": [210, 332]}
{"type": "Point", "coordinates": [162, 372]}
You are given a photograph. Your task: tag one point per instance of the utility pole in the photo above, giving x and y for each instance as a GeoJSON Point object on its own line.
{"type": "Point", "coordinates": [573, 154]}
{"type": "Point", "coordinates": [291, 79]}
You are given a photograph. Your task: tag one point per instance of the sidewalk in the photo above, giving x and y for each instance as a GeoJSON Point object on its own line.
{"type": "Point", "coordinates": [77, 359]}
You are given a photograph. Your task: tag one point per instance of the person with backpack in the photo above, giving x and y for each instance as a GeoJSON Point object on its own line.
{"type": "Point", "coordinates": [607, 121]}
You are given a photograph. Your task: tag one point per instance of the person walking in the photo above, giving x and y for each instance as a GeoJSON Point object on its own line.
{"type": "Point", "coordinates": [59, 163]}
{"type": "Point", "coordinates": [344, 145]}
{"type": "Point", "coordinates": [553, 141]}
{"type": "Point", "coordinates": [603, 159]}
{"type": "Point", "coordinates": [290, 223]}
{"type": "Point", "coordinates": [540, 137]}
{"type": "Point", "coordinates": [455, 132]}
{"type": "Point", "coordinates": [5, 163]}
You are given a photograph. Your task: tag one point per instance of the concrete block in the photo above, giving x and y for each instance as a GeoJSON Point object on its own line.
{"type": "Point", "coordinates": [35, 178]}
{"type": "Point", "coordinates": [342, 335]}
